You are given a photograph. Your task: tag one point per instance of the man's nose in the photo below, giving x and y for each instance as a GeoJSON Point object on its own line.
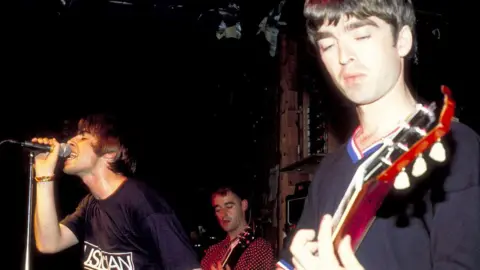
{"type": "Point", "coordinates": [72, 140]}
{"type": "Point", "coordinates": [345, 54]}
{"type": "Point", "coordinates": [222, 213]}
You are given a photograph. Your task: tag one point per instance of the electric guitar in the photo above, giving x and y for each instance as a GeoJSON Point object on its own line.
{"type": "Point", "coordinates": [387, 168]}
{"type": "Point", "coordinates": [236, 248]}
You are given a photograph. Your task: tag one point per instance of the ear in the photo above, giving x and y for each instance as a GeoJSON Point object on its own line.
{"type": "Point", "coordinates": [110, 157]}
{"type": "Point", "coordinates": [404, 41]}
{"type": "Point", "coordinates": [244, 205]}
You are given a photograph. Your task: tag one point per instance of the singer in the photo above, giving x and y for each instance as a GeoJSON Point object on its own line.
{"type": "Point", "coordinates": [122, 223]}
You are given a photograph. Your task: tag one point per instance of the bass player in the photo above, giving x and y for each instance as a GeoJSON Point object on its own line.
{"type": "Point", "coordinates": [230, 207]}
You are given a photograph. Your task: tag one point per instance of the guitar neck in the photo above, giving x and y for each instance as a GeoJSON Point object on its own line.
{"type": "Point", "coordinates": [350, 215]}
{"type": "Point", "coordinates": [359, 212]}
{"type": "Point", "coordinates": [226, 257]}
{"type": "Point", "coordinates": [237, 247]}
{"type": "Point", "coordinates": [229, 252]}
{"type": "Point", "coordinates": [376, 176]}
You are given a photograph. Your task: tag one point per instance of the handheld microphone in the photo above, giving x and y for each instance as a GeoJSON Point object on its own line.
{"type": "Point", "coordinates": [64, 151]}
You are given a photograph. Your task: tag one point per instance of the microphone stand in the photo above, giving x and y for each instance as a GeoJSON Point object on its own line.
{"type": "Point", "coordinates": [29, 213]}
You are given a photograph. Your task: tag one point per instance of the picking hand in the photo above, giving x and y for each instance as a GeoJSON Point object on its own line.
{"type": "Point", "coordinates": [45, 162]}
{"type": "Point", "coordinates": [309, 254]}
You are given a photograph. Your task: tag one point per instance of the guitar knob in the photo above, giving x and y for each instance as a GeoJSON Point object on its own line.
{"type": "Point", "coordinates": [419, 166]}
{"type": "Point", "coordinates": [438, 152]}
{"type": "Point", "coordinates": [401, 181]}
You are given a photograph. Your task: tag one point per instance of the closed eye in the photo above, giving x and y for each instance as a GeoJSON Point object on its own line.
{"type": "Point", "coordinates": [363, 37]}
{"type": "Point", "coordinates": [325, 48]}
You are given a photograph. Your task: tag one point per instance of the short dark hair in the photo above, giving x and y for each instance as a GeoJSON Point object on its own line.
{"type": "Point", "coordinates": [111, 138]}
{"type": "Point", "coordinates": [397, 13]}
{"type": "Point", "coordinates": [224, 190]}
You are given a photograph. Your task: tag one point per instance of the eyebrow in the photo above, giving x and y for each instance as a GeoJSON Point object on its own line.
{"type": "Point", "coordinates": [348, 27]}
{"type": "Point", "coordinates": [227, 204]}
{"type": "Point", "coordinates": [82, 132]}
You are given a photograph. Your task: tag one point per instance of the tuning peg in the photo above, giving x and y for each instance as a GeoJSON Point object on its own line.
{"type": "Point", "coordinates": [419, 166]}
{"type": "Point", "coordinates": [402, 181]}
{"type": "Point", "coordinates": [438, 152]}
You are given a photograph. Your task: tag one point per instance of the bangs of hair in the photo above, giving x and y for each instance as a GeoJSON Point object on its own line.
{"type": "Point", "coordinates": [319, 12]}
{"type": "Point", "coordinates": [107, 130]}
{"type": "Point", "coordinates": [101, 127]}
{"type": "Point", "coordinates": [98, 125]}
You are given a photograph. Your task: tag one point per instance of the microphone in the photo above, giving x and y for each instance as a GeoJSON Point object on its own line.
{"type": "Point", "coordinates": [64, 151]}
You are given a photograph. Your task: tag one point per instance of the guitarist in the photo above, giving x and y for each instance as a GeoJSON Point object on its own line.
{"type": "Point", "coordinates": [364, 46]}
{"type": "Point", "coordinates": [230, 207]}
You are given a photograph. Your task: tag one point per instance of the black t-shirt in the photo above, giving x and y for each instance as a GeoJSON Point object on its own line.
{"type": "Point", "coordinates": [134, 228]}
{"type": "Point", "coordinates": [433, 225]}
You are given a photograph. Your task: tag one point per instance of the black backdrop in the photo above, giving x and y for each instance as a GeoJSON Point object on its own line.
{"type": "Point", "coordinates": [57, 69]}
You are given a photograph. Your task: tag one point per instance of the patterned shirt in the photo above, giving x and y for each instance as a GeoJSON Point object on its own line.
{"type": "Point", "coordinates": [258, 255]}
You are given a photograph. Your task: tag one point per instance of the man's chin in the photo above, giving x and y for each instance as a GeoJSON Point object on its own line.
{"type": "Point", "coordinates": [227, 228]}
{"type": "Point", "coordinates": [69, 171]}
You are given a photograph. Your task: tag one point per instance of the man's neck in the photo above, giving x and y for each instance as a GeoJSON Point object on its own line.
{"type": "Point", "coordinates": [233, 234]}
{"type": "Point", "coordinates": [102, 185]}
{"type": "Point", "coordinates": [381, 117]}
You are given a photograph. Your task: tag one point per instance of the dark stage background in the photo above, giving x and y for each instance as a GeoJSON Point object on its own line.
{"type": "Point", "coordinates": [203, 110]}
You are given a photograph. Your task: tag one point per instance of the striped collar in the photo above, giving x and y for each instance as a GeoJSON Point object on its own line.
{"type": "Point", "coordinates": [354, 151]}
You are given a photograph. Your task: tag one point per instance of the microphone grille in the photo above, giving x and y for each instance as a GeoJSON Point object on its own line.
{"type": "Point", "coordinates": [64, 150]}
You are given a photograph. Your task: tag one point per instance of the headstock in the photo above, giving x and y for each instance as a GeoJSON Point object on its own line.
{"type": "Point", "coordinates": [420, 133]}
{"type": "Point", "coordinates": [246, 237]}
